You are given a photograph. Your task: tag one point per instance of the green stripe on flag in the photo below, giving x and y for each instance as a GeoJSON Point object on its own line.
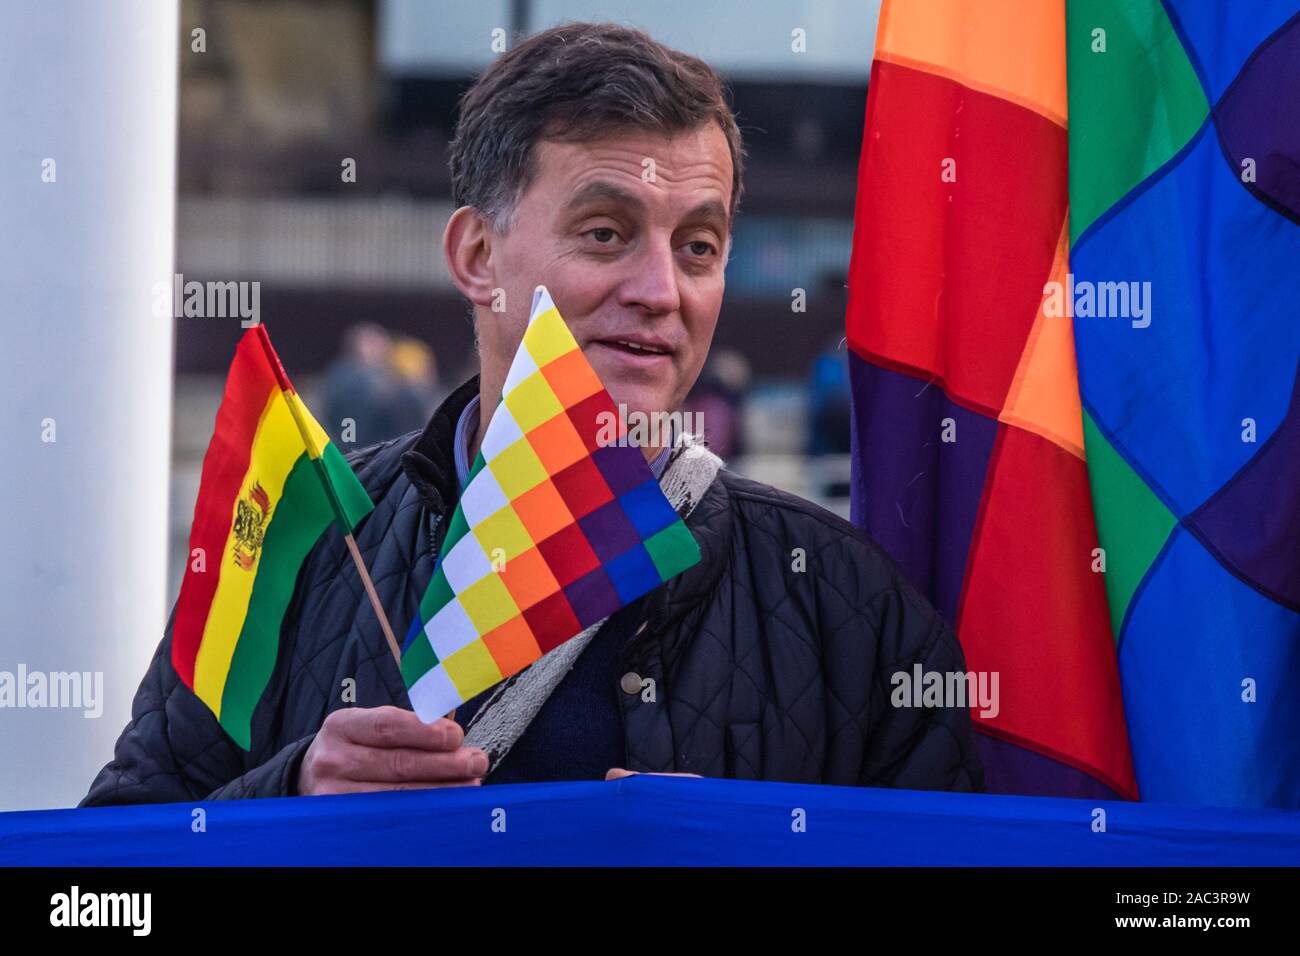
{"type": "Point", "coordinates": [456, 530]}
{"type": "Point", "coordinates": [673, 550]}
{"type": "Point", "coordinates": [1132, 523]}
{"type": "Point", "coordinates": [437, 596]}
{"type": "Point", "coordinates": [347, 486]}
{"type": "Point", "coordinates": [418, 659]}
{"type": "Point", "coordinates": [302, 513]}
{"type": "Point", "coordinates": [1135, 100]}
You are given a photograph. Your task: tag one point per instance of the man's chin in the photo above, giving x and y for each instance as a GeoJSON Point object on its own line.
{"type": "Point", "coordinates": [638, 399]}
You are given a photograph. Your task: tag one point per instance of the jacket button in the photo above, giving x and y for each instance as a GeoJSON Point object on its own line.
{"type": "Point", "coordinates": [631, 683]}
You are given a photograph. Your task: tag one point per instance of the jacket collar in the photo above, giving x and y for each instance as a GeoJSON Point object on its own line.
{"type": "Point", "coordinates": [430, 464]}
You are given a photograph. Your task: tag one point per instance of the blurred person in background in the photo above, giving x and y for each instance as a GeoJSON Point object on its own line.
{"type": "Point", "coordinates": [719, 399]}
{"type": "Point", "coordinates": [830, 411]}
{"type": "Point", "coordinates": [357, 389]}
{"type": "Point", "coordinates": [829, 403]}
{"type": "Point", "coordinates": [415, 386]}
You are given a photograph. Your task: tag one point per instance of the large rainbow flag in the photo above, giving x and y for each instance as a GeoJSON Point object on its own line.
{"type": "Point", "coordinates": [272, 482]}
{"type": "Point", "coordinates": [993, 239]}
{"type": "Point", "coordinates": [1185, 174]}
{"type": "Point", "coordinates": [562, 523]}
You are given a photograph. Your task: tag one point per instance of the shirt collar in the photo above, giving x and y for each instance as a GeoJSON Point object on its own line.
{"type": "Point", "coordinates": [467, 429]}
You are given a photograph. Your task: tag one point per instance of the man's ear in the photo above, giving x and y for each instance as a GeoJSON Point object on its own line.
{"type": "Point", "coordinates": [467, 247]}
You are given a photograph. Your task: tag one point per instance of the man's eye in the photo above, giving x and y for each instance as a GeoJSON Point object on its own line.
{"type": "Point", "coordinates": [602, 235]}
{"type": "Point", "coordinates": [700, 248]}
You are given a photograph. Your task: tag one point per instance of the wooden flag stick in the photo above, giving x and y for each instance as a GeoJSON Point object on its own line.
{"type": "Point", "coordinates": [374, 598]}
{"type": "Point", "coordinates": [369, 585]}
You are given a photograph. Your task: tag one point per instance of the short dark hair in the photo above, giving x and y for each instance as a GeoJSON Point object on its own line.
{"type": "Point", "coordinates": [576, 82]}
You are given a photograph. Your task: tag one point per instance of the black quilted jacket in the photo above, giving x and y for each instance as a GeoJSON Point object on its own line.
{"type": "Point", "coordinates": [761, 671]}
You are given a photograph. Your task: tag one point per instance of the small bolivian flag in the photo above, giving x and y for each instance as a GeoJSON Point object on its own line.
{"type": "Point", "coordinates": [559, 526]}
{"type": "Point", "coordinates": [271, 484]}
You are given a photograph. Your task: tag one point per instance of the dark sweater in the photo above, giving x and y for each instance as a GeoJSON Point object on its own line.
{"type": "Point", "coordinates": [578, 733]}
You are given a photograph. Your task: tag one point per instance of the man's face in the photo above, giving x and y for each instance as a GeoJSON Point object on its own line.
{"type": "Point", "coordinates": [629, 234]}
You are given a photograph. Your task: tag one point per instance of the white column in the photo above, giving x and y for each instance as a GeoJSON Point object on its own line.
{"type": "Point", "coordinates": [87, 101]}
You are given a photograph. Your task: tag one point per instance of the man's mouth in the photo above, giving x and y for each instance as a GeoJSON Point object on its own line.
{"type": "Point", "coordinates": [635, 352]}
{"type": "Point", "coordinates": [635, 346]}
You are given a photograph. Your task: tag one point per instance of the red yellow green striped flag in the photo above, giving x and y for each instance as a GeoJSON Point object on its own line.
{"type": "Point", "coordinates": [272, 482]}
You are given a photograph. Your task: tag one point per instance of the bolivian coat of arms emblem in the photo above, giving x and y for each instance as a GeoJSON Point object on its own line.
{"type": "Point", "coordinates": [251, 515]}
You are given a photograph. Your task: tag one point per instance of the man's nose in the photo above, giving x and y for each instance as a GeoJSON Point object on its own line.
{"type": "Point", "coordinates": [652, 284]}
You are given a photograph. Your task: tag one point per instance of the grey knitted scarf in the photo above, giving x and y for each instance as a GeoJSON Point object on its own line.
{"type": "Point", "coordinates": [506, 714]}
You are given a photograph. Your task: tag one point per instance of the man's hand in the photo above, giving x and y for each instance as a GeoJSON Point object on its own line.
{"type": "Point", "coordinates": [618, 773]}
{"type": "Point", "coordinates": [362, 749]}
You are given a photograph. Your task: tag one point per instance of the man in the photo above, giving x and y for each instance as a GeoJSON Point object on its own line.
{"type": "Point", "coordinates": [607, 167]}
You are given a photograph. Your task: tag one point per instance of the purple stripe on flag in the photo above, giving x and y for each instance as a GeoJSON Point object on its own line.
{"type": "Point", "coordinates": [593, 597]}
{"type": "Point", "coordinates": [1253, 523]}
{"type": "Point", "coordinates": [1022, 771]}
{"type": "Point", "coordinates": [1257, 125]}
{"type": "Point", "coordinates": [915, 493]}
